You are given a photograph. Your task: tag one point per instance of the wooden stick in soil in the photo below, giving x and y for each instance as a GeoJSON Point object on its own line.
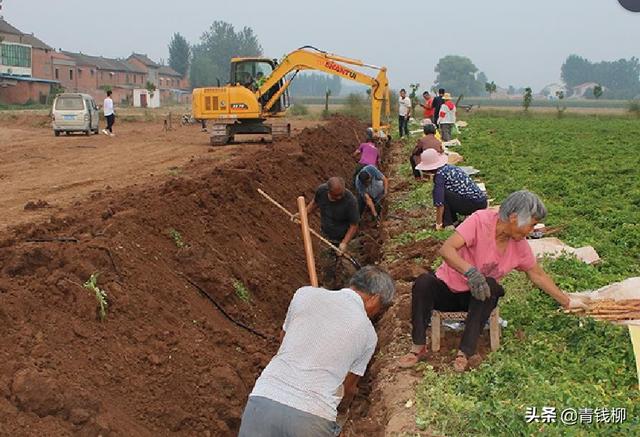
{"type": "Point", "coordinates": [306, 239]}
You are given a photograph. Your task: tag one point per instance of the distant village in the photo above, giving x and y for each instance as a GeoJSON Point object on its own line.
{"type": "Point", "coordinates": [31, 71]}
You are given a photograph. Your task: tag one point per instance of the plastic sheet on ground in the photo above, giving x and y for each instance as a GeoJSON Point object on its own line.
{"type": "Point", "coordinates": [470, 170]}
{"type": "Point", "coordinates": [452, 143]}
{"type": "Point", "coordinates": [452, 325]}
{"type": "Point", "coordinates": [626, 290]}
{"type": "Point", "coordinates": [454, 157]}
{"type": "Point", "coordinates": [554, 248]}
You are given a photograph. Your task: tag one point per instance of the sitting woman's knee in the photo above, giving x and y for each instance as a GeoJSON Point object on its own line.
{"type": "Point", "coordinates": [425, 283]}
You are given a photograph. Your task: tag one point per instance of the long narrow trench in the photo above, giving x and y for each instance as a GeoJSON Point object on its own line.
{"type": "Point", "coordinates": [384, 406]}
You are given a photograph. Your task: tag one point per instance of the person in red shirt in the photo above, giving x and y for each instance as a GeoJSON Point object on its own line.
{"type": "Point", "coordinates": [429, 111]}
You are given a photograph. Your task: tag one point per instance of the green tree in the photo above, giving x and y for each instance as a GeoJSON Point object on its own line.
{"type": "Point", "coordinates": [527, 98]}
{"type": "Point", "coordinates": [457, 74]}
{"type": "Point", "coordinates": [597, 91]}
{"type": "Point", "coordinates": [561, 107]}
{"type": "Point", "coordinates": [212, 55]}
{"type": "Point", "coordinates": [576, 71]}
{"type": "Point", "coordinates": [179, 54]}
{"type": "Point", "coordinates": [490, 87]}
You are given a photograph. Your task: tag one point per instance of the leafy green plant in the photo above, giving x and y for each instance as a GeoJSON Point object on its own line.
{"type": "Point", "coordinates": [527, 98]}
{"type": "Point", "coordinates": [151, 87]}
{"type": "Point", "coordinates": [241, 291]}
{"type": "Point", "coordinates": [177, 238]}
{"type": "Point", "coordinates": [101, 296]}
{"type": "Point", "coordinates": [413, 95]}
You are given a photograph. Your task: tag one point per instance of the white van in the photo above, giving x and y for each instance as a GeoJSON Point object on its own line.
{"type": "Point", "coordinates": [74, 112]}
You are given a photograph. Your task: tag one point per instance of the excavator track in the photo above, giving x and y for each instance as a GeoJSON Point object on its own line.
{"type": "Point", "coordinates": [280, 131]}
{"type": "Point", "coordinates": [220, 134]}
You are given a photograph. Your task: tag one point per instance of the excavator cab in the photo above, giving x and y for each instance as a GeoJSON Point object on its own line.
{"type": "Point", "coordinates": [251, 73]}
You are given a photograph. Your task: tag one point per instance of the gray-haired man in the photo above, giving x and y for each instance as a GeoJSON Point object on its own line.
{"type": "Point", "coordinates": [327, 342]}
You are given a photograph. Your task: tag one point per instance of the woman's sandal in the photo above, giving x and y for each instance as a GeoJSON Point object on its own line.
{"type": "Point", "coordinates": [460, 363]}
{"type": "Point", "coordinates": [412, 358]}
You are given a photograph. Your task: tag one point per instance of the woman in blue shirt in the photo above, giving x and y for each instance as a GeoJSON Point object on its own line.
{"type": "Point", "coordinates": [454, 192]}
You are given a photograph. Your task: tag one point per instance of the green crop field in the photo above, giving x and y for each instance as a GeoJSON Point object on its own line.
{"type": "Point", "coordinates": [587, 171]}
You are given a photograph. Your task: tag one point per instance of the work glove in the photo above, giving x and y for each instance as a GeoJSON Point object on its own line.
{"type": "Point", "coordinates": [477, 284]}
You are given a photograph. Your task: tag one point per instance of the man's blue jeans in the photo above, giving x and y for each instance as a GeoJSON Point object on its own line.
{"type": "Point", "coordinates": [266, 418]}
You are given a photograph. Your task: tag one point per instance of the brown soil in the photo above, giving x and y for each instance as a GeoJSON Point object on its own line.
{"type": "Point", "coordinates": [36, 166]}
{"type": "Point", "coordinates": [165, 360]}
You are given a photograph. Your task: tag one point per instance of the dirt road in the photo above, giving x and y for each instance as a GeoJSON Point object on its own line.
{"type": "Point", "coordinates": [36, 166]}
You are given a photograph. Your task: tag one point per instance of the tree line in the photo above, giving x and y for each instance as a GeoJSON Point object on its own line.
{"type": "Point", "coordinates": [619, 79]}
{"type": "Point", "coordinates": [207, 62]}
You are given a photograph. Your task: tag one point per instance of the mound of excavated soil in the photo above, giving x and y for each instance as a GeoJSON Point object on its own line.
{"type": "Point", "coordinates": [165, 360]}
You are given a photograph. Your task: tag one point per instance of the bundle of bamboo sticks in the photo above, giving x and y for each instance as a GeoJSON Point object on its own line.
{"type": "Point", "coordinates": [609, 309]}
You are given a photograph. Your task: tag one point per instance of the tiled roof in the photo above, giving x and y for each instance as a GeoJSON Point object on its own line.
{"type": "Point", "coordinates": [8, 28]}
{"type": "Point", "coordinates": [24, 37]}
{"type": "Point", "coordinates": [144, 59]}
{"type": "Point", "coordinates": [103, 63]}
{"type": "Point", "coordinates": [168, 71]}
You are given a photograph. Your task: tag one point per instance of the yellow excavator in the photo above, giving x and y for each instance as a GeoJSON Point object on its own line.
{"type": "Point", "coordinates": [256, 99]}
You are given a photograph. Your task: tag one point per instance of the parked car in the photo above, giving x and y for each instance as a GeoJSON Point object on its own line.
{"type": "Point", "coordinates": [74, 112]}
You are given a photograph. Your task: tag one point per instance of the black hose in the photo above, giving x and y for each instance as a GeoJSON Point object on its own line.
{"type": "Point", "coordinates": [222, 310]}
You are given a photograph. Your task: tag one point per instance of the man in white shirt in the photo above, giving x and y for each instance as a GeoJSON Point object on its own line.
{"type": "Point", "coordinates": [109, 114]}
{"type": "Point", "coordinates": [404, 112]}
{"type": "Point", "coordinates": [327, 342]}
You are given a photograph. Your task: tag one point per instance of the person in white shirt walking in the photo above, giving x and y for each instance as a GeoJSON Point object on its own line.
{"type": "Point", "coordinates": [327, 342]}
{"type": "Point", "coordinates": [109, 114]}
{"type": "Point", "coordinates": [404, 113]}
{"type": "Point", "coordinates": [447, 118]}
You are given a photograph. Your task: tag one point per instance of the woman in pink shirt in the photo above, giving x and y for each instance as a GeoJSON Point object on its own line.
{"type": "Point", "coordinates": [368, 152]}
{"type": "Point", "coordinates": [486, 246]}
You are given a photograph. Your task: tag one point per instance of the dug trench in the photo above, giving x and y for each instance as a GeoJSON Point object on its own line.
{"type": "Point", "coordinates": [385, 405]}
{"type": "Point", "coordinates": [165, 360]}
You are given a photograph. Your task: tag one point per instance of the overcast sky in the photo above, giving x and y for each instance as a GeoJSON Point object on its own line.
{"type": "Point", "coordinates": [513, 41]}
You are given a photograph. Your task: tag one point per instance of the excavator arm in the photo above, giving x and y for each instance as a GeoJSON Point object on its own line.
{"type": "Point", "coordinates": [309, 58]}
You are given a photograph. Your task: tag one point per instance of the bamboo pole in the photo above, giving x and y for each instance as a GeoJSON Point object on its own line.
{"type": "Point", "coordinates": [306, 238]}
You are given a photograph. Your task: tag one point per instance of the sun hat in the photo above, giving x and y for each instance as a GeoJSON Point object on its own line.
{"type": "Point", "coordinates": [430, 159]}
{"type": "Point", "coordinates": [447, 96]}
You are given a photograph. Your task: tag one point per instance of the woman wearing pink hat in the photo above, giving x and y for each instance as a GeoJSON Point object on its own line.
{"type": "Point", "coordinates": [454, 192]}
